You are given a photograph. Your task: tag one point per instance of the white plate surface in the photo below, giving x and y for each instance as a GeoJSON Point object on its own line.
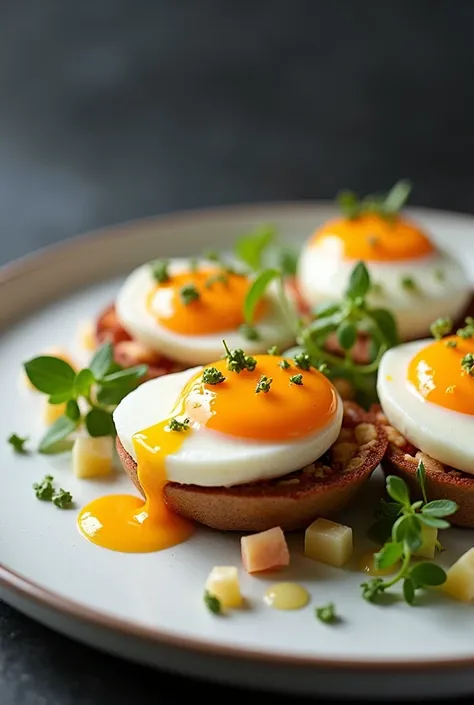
{"type": "Point", "coordinates": [149, 607]}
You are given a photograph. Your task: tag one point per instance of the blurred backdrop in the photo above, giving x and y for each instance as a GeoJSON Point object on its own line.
{"type": "Point", "coordinates": [116, 109]}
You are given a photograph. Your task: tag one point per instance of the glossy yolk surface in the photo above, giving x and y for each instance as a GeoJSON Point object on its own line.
{"type": "Point", "coordinates": [373, 238]}
{"type": "Point", "coordinates": [218, 308]}
{"type": "Point", "coordinates": [287, 411]}
{"type": "Point", "coordinates": [437, 373]}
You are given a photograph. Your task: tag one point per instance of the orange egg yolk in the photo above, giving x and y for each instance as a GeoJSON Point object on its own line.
{"type": "Point", "coordinates": [232, 407]}
{"type": "Point", "coordinates": [373, 238]}
{"type": "Point", "coordinates": [216, 307]}
{"type": "Point", "coordinates": [437, 374]}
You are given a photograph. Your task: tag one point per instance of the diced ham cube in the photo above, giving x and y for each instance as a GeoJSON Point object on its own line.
{"type": "Point", "coordinates": [265, 550]}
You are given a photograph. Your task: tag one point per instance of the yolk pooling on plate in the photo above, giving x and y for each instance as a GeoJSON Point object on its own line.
{"type": "Point", "coordinates": [373, 238]}
{"type": "Point", "coordinates": [232, 407]}
{"type": "Point", "coordinates": [215, 305]}
{"type": "Point", "coordinates": [436, 372]}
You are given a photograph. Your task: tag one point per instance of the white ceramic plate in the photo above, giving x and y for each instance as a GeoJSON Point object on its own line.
{"type": "Point", "coordinates": [149, 607]}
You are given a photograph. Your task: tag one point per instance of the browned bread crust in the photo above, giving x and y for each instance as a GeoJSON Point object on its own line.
{"type": "Point", "coordinates": [442, 481]}
{"type": "Point", "coordinates": [291, 502]}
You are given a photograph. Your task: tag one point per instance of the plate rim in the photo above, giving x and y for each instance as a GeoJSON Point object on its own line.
{"type": "Point", "coordinates": [33, 592]}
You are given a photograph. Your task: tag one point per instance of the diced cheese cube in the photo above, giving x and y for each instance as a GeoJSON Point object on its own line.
{"type": "Point", "coordinates": [52, 412]}
{"type": "Point", "coordinates": [429, 536]}
{"type": "Point", "coordinates": [265, 550]}
{"type": "Point", "coordinates": [92, 457]}
{"type": "Point", "coordinates": [460, 578]}
{"type": "Point", "coordinates": [223, 583]}
{"type": "Point", "coordinates": [328, 542]}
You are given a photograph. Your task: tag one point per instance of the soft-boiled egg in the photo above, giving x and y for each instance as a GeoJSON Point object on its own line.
{"type": "Point", "coordinates": [410, 276]}
{"type": "Point", "coordinates": [185, 429]}
{"type": "Point", "coordinates": [426, 389]}
{"type": "Point", "coordinates": [186, 315]}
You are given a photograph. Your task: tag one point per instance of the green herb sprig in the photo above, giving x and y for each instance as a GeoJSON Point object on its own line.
{"type": "Point", "coordinates": [263, 385]}
{"type": "Point", "coordinates": [98, 387]}
{"type": "Point", "coordinates": [467, 364]}
{"type": "Point", "coordinates": [159, 270]}
{"type": "Point", "coordinates": [237, 360]}
{"type": "Point", "coordinates": [45, 491]}
{"type": "Point", "coordinates": [211, 375]}
{"type": "Point", "coordinates": [386, 205]}
{"type": "Point", "coordinates": [212, 603]}
{"type": "Point", "coordinates": [441, 327]}
{"type": "Point", "coordinates": [468, 330]}
{"type": "Point", "coordinates": [189, 293]}
{"type": "Point", "coordinates": [179, 426]}
{"type": "Point", "coordinates": [406, 538]}
{"type": "Point", "coordinates": [326, 614]}
{"type": "Point", "coordinates": [18, 444]}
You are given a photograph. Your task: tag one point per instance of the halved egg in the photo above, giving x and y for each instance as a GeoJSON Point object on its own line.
{"type": "Point", "coordinates": [186, 315]}
{"type": "Point", "coordinates": [410, 275]}
{"type": "Point", "coordinates": [426, 390]}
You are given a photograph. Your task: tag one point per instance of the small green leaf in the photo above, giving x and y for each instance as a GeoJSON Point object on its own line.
{"type": "Point", "coordinates": [249, 332]}
{"type": "Point", "coordinates": [429, 574]}
{"type": "Point", "coordinates": [83, 382]}
{"type": "Point", "coordinates": [72, 410]}
{"type": "Point", "coordinates": [99, 423]}
{"type": "Point", "coordinates": [397, 489]}
{"type": "Point", "coordinates": [359, 282]}
{"type": "Point", "coordinates": [212, 603]}
{"type": "Point", "coordinates": [60, 398]}
{"type": "Point", "coordinates": [113, 395]}
{"type": "Point", "coordinates": [346, 335]}
{"type": "Point", "coordinates": [421, 477]}
{"type": "Point", "coordinates": [18, 444]}
{"type": "Point", "coordinates": [440, 508]}
{"type": "Point", "coordinates": [409, 591]}
{"type": "Point", "coordinates": [322, 326]}
{"type": "Point", "coordinates": [288, 261]}
{"type": "Point", "coordinates": [434, 522]}
{"type": "Point", "coordinates": [407, 530]}
{"type": "Point", "coordinates": [101, 362]}
{"type": "Point", "coordinates": [349, 204]}
{"type": "Point", "coordinates": [388, 555]}
{"type": "Point", "coordinates": [127, 375]}
{"type": "Point", "coordinates": [327, 309]}
{"type": "Point", "coordinates": [256, 292]}
{"type": "Point", "coordinates": [60, 430]}
{"type": "Point", "coordinates": [386, 324]}
{"type": "Point", "coordinates": [251, 247]}
{"type": "Point", "coordinates": [397, 196]}
{"type": "Point", "coordinates": [50, 375]}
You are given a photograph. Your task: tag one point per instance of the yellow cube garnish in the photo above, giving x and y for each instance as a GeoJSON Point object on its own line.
{"type": "Point", "coordinates": [429, 536]}
{"type": "Point", "coordinates": [92, 457]}
{"type": "Point", "coordinates": [328, 542]}
{"type": "Point", "coordinates": [223, 583]}
{"type": "Point", "coordinates": [460, 578]}
{"type": "Point", "coordinates": [52, 412]}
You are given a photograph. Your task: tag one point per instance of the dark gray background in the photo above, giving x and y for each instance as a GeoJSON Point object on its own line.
{"type": "Point", "coordinates": [116, 109]}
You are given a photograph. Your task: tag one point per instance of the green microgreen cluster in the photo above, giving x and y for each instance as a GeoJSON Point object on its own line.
{"type": "Point", "coordinates": [326, 614]}
{"type": "Point", "coordinates": [212, 603]}
{"type": "Point", "coordinates": [18, 444]}
{"type": "Point", "coordinates": [441, 327]}
{"type": "Point", "coordinates": [284, 364]}
{"type": "Point", "coordinates": [386, 205]}
{"type": "Point", "coordinates": [297, 379]}
{"type": "Point", "coordinates": [179, 426]}
{"type": "Point", "coordinates": [467, 363]}
{"type": "Point", "coordinates": [409, 284]}
{"type": "Point", "coordinates": [211, 375]}
{"type": "Point", "coordinates": [273, 351]}
{"type": "Point", "coordinates": [468, 330]}
{"type": "Point", "coordinates": [404, 520]}
{"type": "Point", "coordinates": [159, 270]}
{"type": "Point", "coordinates": [189, 293]}
{"type": "Point", "coordinates": [45, 491]}
{"type": "Point", "coordinates": [249, 332]}
{"type": "Point", "coordinates": [97, 388]}
{"type": "Point", "coordinates": [263, 384]}
{"type": "Point", "coordinates": [237, 360]}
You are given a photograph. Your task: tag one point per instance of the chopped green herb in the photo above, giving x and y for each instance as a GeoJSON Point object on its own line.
{"type": "Point", "coordinates": [451, 344]}
{"type": "Point", "coordinates": [220, 278]}
{"type": "Point", "coordinates": [409, 284]}
{"type": "Point", "coordinates": [273, 350]}
{"type": "Point", "coordinates": [18, 443]}
{"type": "Point", "coordinates": [212, 256]}
{"type": "Point", "coordinates": [302, 360]}
{"type": "Point", "coordinates": [284, 364]}
{"type": "Point", "coordinates": [44, 490]}
{"type": "Point", "coordinates": [326, 614]}
{"type": "Point", "coordinates": [159, 269]}
{"type": "Point", "coordinates": [385, 205]}
{"type": "Point", "coordinates": [249, 332]}
{"type": "Point", "coordinates": [237, 360]}
{"type": "Point", "coordinates": [212, 603]}
{"type": "Point", "coordinates": [179, 426]}
{"type": "Point", "coordinates": [188, 293]}
{"type": "Point", "coordinates": [263, 384]}
{"type": "Point", "coordinates": [468, 330]}
{"type": "Point", "coordinates": [211, 375]}
{"type": "Point", "coordinates": [441, 327]}
{"type": "Point", "coordinates": [467, 363]}
{"type": "Point", "coordinates": [62, 499]}
{"type": "Point", "coordinates": [297, 379]}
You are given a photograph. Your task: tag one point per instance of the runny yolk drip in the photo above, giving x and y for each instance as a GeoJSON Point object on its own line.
{"type": "Point", "coordinates": [232, 407]}
{"type": "Point", "coordinates": [373, 238]}
{"type": "Point", "coordinates": [217, 307]}
{"type": "Point", "coordinates": [437, 374]}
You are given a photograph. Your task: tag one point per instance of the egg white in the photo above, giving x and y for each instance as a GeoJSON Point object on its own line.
{"type": "Point", "coordinates": [323, 275]}
{"type": "Point", "coordinates": [210, 458]}
{"type": "Point", "coordinates": [444, 434]}
{"type": "Point", "coordinates": [132, 312]}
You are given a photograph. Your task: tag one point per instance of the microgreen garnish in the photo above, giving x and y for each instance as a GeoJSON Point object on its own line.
{"type": "Point", "coordinates": [284, 364]}
{"type": "Point", "coordinates": [263, 384]}
{"type": "Point", "coordinates": [441, 327]}
{"type": "Point", "coordinates": [249, 332]}
{"type": "Point", "coordinates": [237, 360]}
{"type": "Point", "coordinates": [44, 490]}
{"type": "Point", "coordinates": [211, 375]}
{"type": "Point", "coordinates": [326, 614]}
{"type": "Point", "coordinates": [273, 350]}
{"type": "Point", "coordinates": [188, 293]}
{"type": "Point", "coordinates": [406, 538]}
{"type": "Point", "coordinates": [179, 426]}
{"type": "Point", "coordinates": [409, 284]}
{"type": "Point", "coordinates": [18, 443]}
{"type": "Point", "coordinates": [250, 247]}
{"type": "Point", "coordinates": [467, 363]}
{"type": "Point", "coordinates": [450, 343]}
{"type": "Point", "coordinates": [297, 379]}
{"type": "Point", "coordinates": [468, 330]}
{"type": "Point", "coordinates": [212, 603]}
{"type": "Point", "coordinates": [62, 499]}
{"type": "Point", "coordinates": [159, 269]}
{"type": "Point", "coordinates": [302, 360]}
{"type": "Point", "coordinates": [385, 205]}
{"type": "Point", "coordinates": [219, 278]}
{"type": "Point", "coordinates": [99, 387]}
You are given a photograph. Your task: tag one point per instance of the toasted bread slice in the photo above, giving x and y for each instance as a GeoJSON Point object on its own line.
{"type": "Point", "coordinates": [293, 501]}
{"type": "Point", "coordinates": [442, 481]}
